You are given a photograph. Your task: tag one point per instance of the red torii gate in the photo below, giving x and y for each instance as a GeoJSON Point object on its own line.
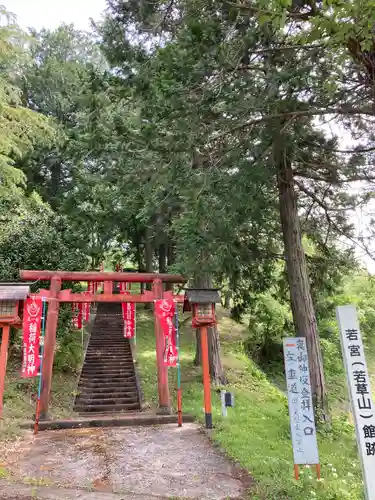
{"type": "Point", "coordinates": [55, 295]}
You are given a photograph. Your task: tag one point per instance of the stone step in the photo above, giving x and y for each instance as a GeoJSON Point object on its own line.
{"type": "Point", "coordinates": [108, 373]}
{"type": "Point", "coordinates": [107, 408]}
{"type": "Point", "coordinates": [114, 394]}
{"type": "Point", "coordinates": [90, 372]}
{"type": "Point", "coordinates": [105, 401]}
{"type": "Point", "coordinates": [113, 380]}
{"type": "Point", "coordinates": [103, 343]}
{"type": "Point", "coordinates": [110, 353]}
{"type": "Point", "coordinates": [106, 388]}
{"type": "Point", "coordinates": [108, 362]}
{"type": "Point", "coordinates": [108, 365]}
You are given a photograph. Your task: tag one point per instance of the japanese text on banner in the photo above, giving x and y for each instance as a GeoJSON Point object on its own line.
{"type": "Point", "coordinates": [360, 392]}
{"type": "Point", "coordinates": [32, 317]}
{"type": "Point", "coordinates": [128, 312]}
{"type": "Point", "coordinates": [165, 311]}
{"type": "Point", "coordinates": [301, 412]}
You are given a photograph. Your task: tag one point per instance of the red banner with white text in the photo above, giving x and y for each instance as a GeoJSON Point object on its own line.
{"type": "Point", "coordinates": [165, 311]}
{"type": "Point", "coordinates": [129, 321]}
{"type": "Point", "coordinates": [32, 318]}
{"type": "Point", "coordinates": [86, 307]}
{"type": "Point", "coordinates": [128, 312]}
{"type": "Point", "coordinates": [77, 314]}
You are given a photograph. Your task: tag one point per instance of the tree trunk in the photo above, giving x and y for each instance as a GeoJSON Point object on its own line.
{"type": "Point", "coordinates": [300, 295]}
{"type": "Point", "coordinates": [198, 351]}
{"type": "Point", "coordinates": [139, 258]}
{"type": "Point", "coordinates": [227, 297]}
{"type": "Point", "coordinates": [216, 366]}
{"type": "Point", "coordinates": [149, 254]}
{"type": "Point", "coordinates": [162, 258]}
{"type": "Point", "coordinates": [170, 261]}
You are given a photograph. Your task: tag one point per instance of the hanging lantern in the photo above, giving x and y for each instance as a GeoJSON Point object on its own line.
{"type": "Point", "coordinates": [201, 301]}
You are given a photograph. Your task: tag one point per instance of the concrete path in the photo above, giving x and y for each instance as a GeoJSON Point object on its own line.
{"type": "Point", "coordinates": [140, 463]}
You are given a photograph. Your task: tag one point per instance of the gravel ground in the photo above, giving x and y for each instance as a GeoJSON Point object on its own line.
{"type": "Point", "coordinates": [140, 463]}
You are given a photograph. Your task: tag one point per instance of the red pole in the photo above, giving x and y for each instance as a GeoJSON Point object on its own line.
{"type": "Point", "coordinates": [296, 472]}
{"type": "Point", "coordinates": [206, 378]}
{"type": "Point", "coordinates": [179, 407]}
{"type": "Point", "coordinates": [3, 363]}
{"type": "Point", "coordinates": [49, 346]}
{"type": "Point", "coordinates": [318, 471]}
{"type": "Point", "coordinates": [163, 388]}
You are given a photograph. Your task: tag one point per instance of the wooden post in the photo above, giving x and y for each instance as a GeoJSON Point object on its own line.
{"type": "Point", "coordinates": [3, 363]}
{"type": "Point", "coordinates": [49, 346]}
{"type": "Point", "coordinates": [163, 388]}
{"type": "Point", "coordinates": [206, 378]}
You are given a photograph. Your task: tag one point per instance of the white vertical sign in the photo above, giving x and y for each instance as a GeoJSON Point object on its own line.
{"type": "Point", "coordinates": [360, 393]}
{"type": "Point", "coordinates": [301, 411]}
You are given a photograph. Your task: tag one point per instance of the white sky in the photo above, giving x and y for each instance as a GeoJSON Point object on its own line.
{"type": "Point", "coordinates": [50, 13]}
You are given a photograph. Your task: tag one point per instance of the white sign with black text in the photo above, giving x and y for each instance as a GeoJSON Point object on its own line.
{"type": "Point", "coordinates": [301, 412]}
{"type": "Point", "coordinates": [360, 393]}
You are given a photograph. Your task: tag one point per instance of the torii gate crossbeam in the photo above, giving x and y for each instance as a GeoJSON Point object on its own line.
{"type": "Point", "coordinates": [55, 295]}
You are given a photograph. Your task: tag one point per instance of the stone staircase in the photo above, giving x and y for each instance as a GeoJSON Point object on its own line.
{"type": "Point", "coordinates": [108, 381]}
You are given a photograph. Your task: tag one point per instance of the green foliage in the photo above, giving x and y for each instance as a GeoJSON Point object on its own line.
{"type": "Point", "coordinates": [33, 236]}
{"type": "Point", "coordinates": [21, 129]}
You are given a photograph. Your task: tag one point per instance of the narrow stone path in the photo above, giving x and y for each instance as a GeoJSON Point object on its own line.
{"type": "Point", "coordinates": [140, 463]}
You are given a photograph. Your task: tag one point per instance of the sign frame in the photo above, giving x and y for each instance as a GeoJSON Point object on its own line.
{"type": "Point", "coordinates": [358, 382]}
{"type": "Point", "coordinates": [301, 411]}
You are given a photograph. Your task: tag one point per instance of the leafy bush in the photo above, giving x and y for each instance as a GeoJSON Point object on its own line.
{"type": "Point", "coordinates": [33, 236]}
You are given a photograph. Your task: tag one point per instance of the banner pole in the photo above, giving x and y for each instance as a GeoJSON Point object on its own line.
{"type": "Point", "coordinates": [179, 393]}
{"type": "Point", "coordinates": [37, 412]}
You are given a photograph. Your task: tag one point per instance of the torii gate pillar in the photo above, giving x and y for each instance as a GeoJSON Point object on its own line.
{"type": "Point", "coordinates": [49, 346]}
{"type": "Point", "coordinates": [163, 387]}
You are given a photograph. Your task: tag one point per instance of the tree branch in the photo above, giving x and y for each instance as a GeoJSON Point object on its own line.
{"type": "Point", "coordinates": [354, 178]}
{"type": "Point", "coordinates": [298, 113]}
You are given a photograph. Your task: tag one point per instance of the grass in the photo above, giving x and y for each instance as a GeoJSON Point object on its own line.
{"type": "Point", "coordinates": [256, 433]}
{"type": "Point", "coordinates": [20, 395]}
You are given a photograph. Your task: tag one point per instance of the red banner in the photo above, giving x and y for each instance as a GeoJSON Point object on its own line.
{"type": "Point", "coordinates": [165, 311]}
{"type": "Point", "coordinates": [32, 317]}
{"type": "Point", "coordinates": [129, 321]}
{"type": "Point", "coordinates": [77, 317]}
{"type": "Point", "coordinates": [86, 307]}
{"type": "Point", "coordinates": [128, 313]}
{"type": "Point", "coordinates": [80, 315]}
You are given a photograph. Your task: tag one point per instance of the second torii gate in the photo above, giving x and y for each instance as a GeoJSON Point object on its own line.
{"type": "Point", "coordinates": [55, 295]}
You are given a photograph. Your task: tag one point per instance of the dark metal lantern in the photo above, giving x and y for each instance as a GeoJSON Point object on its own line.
{"type": "Point", "coordinates": [12, 296]}
{"type": "Point", "coordinates": [201, 301]}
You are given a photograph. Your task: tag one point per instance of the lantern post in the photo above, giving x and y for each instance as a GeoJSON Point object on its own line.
{"type": "Point", "coordinates": [201, 301]}
{"type": "Point", "coordinates": [11, 296]}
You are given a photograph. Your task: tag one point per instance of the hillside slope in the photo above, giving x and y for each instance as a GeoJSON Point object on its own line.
{"type": "Point", "coordinates": [256, 432]}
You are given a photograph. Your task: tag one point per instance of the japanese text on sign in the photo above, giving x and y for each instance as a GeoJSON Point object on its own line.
{"type": "Point", "coordinates": [32, 318]}
{"type": "Point", "coordinates": [360, 392]}
{"type": "Point", "coordinates": [301, 412]}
